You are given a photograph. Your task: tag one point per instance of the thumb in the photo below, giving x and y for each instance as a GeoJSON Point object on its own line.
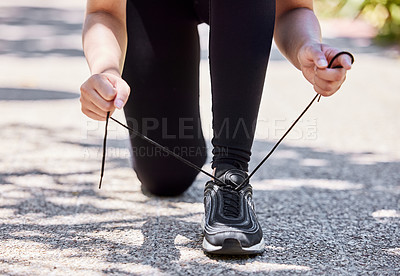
{"type": "Point", "coordinates": [122, 91]}
{"type": "Point", "coordinates": [311, 55]}
{"type": "Point", "coordinates": [318, 57]}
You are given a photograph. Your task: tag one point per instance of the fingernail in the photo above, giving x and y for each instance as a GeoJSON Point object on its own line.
{"type": "Point", "coordinates": [119, 103]}
{"type": "Point", "coordinates": [322, 63]}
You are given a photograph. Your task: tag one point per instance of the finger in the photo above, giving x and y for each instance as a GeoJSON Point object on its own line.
{"type": "Point", "coordinates": [345, 61]}
{"type": "Point", "coordinates": [322, 92]}
{"type": "Point", "coordinates": [337, 74]}
{"type": "Point", "coordinates": [92, 106]}
{"type": "Point", "coordinates": [316, 54]}
{"type": "Point", "coordinates": [93, 115]}
{"type": "Point", "coordinates": [123, 91]}
{"type": "Point", "coordinates": [328, 86]}
{"type": "Point", "coordinates": [342, 61]}
{"type": "Point", "coordinates": [88, 104]}
{"type": "Point", "coordinates": [103, 87]}
{"type": "Point", "coordinates": [91, 95]}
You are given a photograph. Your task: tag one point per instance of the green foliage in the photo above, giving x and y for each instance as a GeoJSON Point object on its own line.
{"type": "Point", "coordinates": [383, 14]}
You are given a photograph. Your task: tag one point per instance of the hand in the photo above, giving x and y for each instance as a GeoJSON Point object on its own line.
{"type": "Point", "coordinates": [102, 93]}
{"type": "Point", "coordinates": [314, 60]}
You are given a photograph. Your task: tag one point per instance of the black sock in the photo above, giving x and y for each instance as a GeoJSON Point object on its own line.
{"type": "Point", "coordinates": [222, 168]}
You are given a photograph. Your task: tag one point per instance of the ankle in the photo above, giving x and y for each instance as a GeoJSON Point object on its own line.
{"type": "Point", "coordinates": [220, 169]}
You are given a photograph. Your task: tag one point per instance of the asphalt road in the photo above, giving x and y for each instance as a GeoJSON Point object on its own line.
{"type": "Point", "coordinates": [328, 200]}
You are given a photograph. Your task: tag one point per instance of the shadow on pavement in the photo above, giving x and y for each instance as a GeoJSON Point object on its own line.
{"type": "Point", "coordinates": [322, 213]}
{"type": "Point", "coordinates": [25, 94]}
{"type": "Point", "coordinates": [40, 31]}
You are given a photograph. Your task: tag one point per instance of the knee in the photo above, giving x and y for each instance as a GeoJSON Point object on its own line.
{"type": "Point", "coordinates": [164, 182]}
{"type": "Point", "coordinates": [166, 176]}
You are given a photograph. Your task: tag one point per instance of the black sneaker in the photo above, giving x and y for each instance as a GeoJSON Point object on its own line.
{"type": "Point", "coordinates": [230, 225]}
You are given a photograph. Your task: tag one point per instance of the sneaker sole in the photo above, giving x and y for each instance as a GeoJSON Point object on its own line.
{"type": "Point", "coordinates": [233, 247]}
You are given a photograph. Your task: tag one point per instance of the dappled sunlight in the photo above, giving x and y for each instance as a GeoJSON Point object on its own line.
{"type": "Point", "coordinates": [189, 250]}
{"type": "Point", "coordinates": [394, 251]}
{"type": "Point", "coordinates": [314, 162]}
{"type": "Point", "coordinates": [12, 194]}
{"type": "Point", "coordinates": [370, 159]}
{"type": "Point", "coordinates": [86, 219]}
{"type": "Point", "coordinates": [67, 217]}
{"type": "Point", "coordinates": [327, 200]}
{"type": "Point", "coordinates": [291, 184]}
{"type": "Point", "coordinates": [188, 256]}
{"type": "Point", "coordinates": [53, 209]}
{"type": "Point", "coordinates": [247, 264]}
{"type": "Point", "coordinates": [386, 214]}
{"type": "Point", "coordinates": [269, 267]}
{"type": "Point", "coordinates": [51, 31]}
{"type": "Point", "coordinates": [195, 218]}
{"type": "Point", "coordinates": [129, 237]}
{"type": "Point", "coordinates": [279, 154]}
{"type": "Point", "coordinates": [194, 207]}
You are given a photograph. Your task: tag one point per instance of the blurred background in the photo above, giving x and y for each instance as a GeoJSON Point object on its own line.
{"type": "Point", "coordinates": [382, 15]}
{"type": "Point", "coordinates": [334, 183]}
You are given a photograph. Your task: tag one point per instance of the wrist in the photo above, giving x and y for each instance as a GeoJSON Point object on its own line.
{"type": "Point", "coordinates": [112, 71]}
{"type": "Point", "coordinates": [104, 66]}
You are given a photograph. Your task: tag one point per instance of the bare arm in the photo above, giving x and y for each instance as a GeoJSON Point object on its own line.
{"type": "Point", "coordinates": [295, 25]}
{"type": "Point", "coordinates": [104, 35]}
{"type": "Point", "coordinates": [298, 37]}
{"type": "Point", "coordinates": [104, 44]}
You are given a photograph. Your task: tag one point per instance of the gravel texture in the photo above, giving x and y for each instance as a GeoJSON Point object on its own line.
{"type": "Point", "coordinates": [328, 199]}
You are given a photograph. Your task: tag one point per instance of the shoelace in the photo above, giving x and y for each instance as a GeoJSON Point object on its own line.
{"type": "Point", "coordinates": [231, 199]}
{"type": "Point", "coordinates": [231, 203]}
{"type": "Point", "coordinates": [190, 164]}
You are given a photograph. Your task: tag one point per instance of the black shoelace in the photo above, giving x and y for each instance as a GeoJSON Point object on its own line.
{"type": "Point", "coordinates": [190, 164]}
{"type": "Point", "coordinates": [231, 203]}
{"type": "Point", "coordinates": [231, 198]}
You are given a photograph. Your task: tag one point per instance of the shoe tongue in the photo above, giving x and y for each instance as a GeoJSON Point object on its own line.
{"type": "Point", "coordinates": [233, 177]}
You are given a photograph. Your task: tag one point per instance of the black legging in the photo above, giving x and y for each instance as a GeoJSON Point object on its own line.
{"type": "Point", "coordinates": [162, 68]}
